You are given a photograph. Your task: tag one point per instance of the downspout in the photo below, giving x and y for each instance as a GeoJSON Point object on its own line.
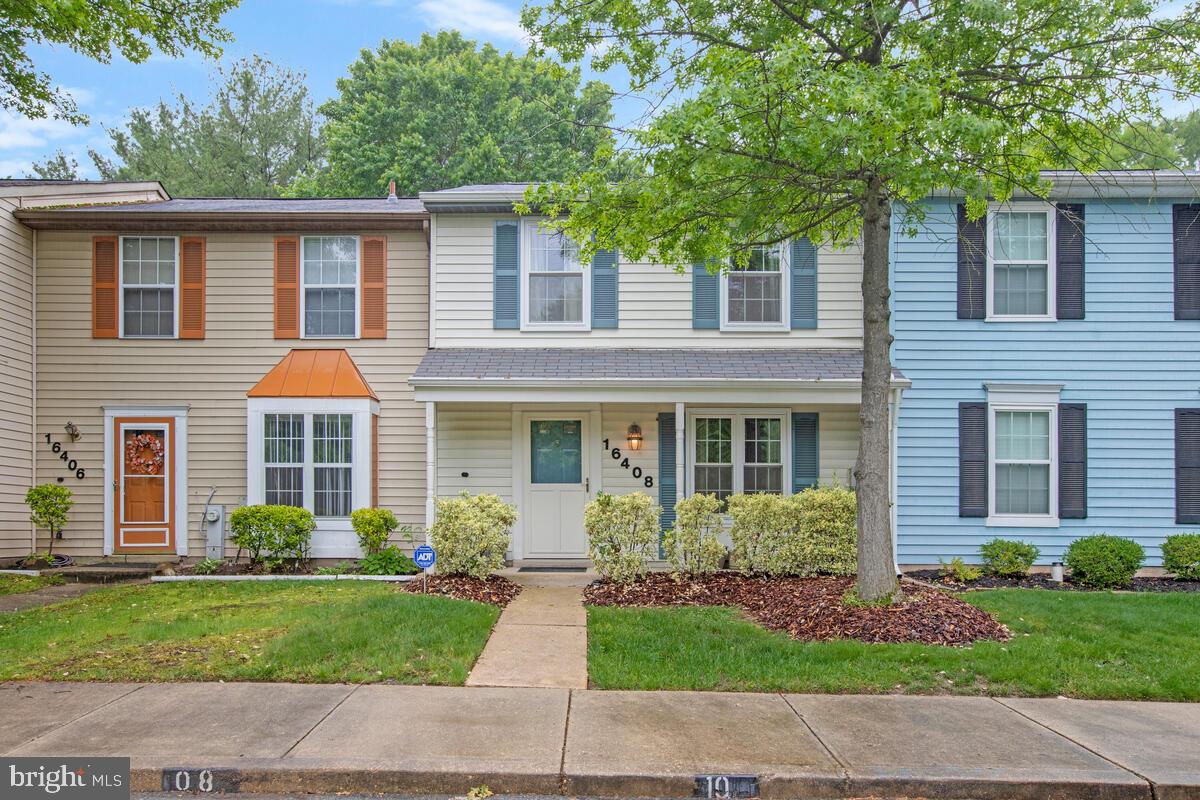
{"type": "Point", "coordinates": [897, 393]}
{"type": "Point", "coordinates": [33, 417]}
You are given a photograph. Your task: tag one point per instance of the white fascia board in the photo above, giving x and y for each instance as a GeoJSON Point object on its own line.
{"type": "Point", "coordinates": [611, 392]}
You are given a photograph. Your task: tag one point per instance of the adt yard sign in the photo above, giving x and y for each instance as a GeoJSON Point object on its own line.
{"type": "Point", "coordinates": [424, 556]}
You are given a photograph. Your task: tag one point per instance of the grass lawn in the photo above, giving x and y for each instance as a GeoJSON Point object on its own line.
{"type": "Point", "coordinates": [314, 632]}
{"type": "Point", "coordinates": [1095, 645]}
{"type": "Point", "coordinates": [16, 584]}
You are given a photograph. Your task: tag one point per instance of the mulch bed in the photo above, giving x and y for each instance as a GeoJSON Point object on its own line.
{"type": "Point", "coordinates": [495, 590]}
{"type": "Point", "coordinates": [813, 609]}
{"type": "Point", "coordinates": [1042, 581]}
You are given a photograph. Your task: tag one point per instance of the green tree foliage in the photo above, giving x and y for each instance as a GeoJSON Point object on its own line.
{"type": "Point", "coordinates": [813, 117]}
{"type": "Point", "coordinates": [1186, 132]}
{"type": "Point", "coordinates": [256, 135]}
{"type": "Point", "coordinates": [49, 504]}
{"type": "Point", "coordinates": [96, 29]}
{"type": "Point", "coordinates": [444, 112]}
{"type": "Point", "coordinates": [58, 167]}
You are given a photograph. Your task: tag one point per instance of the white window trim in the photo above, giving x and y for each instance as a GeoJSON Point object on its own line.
{"type": "Point", "coordinates": [357, 287]}
{"type": "Point", "coordinates": [360, 408]}
{"type": "Point", "coordinates": [121, 287]}
{"type": "Point", "coordinates": [1023, 397]}
{"type": "Point", "coordinates": [785, 299]}
{"type": "Point", "coordinates": [739, 416]}
{"type": "Point", "coordinates": [529, 225]}
{"type": "Point", "coordinates": [1049, 210]}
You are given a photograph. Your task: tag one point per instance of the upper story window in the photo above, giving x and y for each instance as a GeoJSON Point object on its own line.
{"type": "Point", "coordinates": [149, 296]}
{"type": "Point", "coordinates": [1020, 253]}
{"type": "Point", "coordinates": [330, 275]}
{"type": "Point", "coordinates": [556, 291]}
{"type": "Point", "coordinates": [755, 294]}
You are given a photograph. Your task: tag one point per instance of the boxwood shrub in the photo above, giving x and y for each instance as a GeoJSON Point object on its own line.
{"type": "Point", "coordinates": [273, 535]}
{"type": "Point", "coordinates": [1181, 556]}
{"type": "Point", "coordinates": [1103, 561]}
{"type": "Point", "coordinates": [1007, 558]}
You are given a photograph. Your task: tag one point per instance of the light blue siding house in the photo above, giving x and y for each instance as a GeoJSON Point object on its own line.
{"type": "Point", "coordinates": [1054, 354]}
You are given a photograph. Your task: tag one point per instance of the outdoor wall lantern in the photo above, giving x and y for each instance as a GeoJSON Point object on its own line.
{"type": "Point", "coordinates": [634, 437]}
{"type": "Point", "coordinates": [73, 431]}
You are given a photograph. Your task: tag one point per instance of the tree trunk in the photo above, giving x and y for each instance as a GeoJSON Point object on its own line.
{"type": "Point", "coordinates": [876, 563]}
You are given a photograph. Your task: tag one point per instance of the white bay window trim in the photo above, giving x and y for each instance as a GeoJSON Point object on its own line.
{"type": "Point", "coordinates": [122, 286]}
{"type": "Point", "coordinates": [1050, 212]}
{"type": "Point", "coordinates": [1037, 398]}
{"type": "Point", "coordinates": [530, 228]}
{"type": "Point", "coordinates": [785, 296]}
{"type": "Point", "coordinates": [739, 417]}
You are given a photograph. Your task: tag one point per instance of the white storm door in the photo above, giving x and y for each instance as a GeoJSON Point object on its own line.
{"type": "Point", "coordinates": [557, 486]}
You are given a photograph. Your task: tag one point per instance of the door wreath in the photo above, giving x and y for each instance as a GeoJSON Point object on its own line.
{"type": "Point", "coordinates": [144, 454]}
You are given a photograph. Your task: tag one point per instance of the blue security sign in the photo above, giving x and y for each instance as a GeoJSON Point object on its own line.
{"type": "Point", "coordinates": [424, 556]}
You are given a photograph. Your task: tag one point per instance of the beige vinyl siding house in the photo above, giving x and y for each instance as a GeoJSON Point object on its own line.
{"type": "Point", "coordinates": [203, 383]}
{"type": "Point", "coordinates": [17, 254]}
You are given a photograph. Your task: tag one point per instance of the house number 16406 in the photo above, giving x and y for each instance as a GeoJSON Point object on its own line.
{"type": "Point", "coordinates": [615, 452]}
{"type": "Point", "coordinates": [63, 455]}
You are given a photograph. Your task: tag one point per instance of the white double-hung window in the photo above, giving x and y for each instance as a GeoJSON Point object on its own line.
{"type": "Point", "coordinates": [555, 293]}
{"type": "Point", "coordinates": [149, 294]}
{"type": "Point", "coordinates": [330, 273]}
{"type": "Point", "coordinates": [1023, 455]}
{"type": "Point", "coordinates": [754, 295]}
{"type": "Point", "coordinates": [1020, 257]}
{"type": "Point", "coordinates": [735, 452]}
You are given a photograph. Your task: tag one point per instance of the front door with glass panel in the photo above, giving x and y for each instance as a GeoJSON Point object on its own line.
{"type": "Point", "coordinates": [145, 485]}
{"type": "Point", "coordinates": [557, 487]}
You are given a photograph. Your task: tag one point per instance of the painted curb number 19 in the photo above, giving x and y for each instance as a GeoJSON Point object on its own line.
{"type": "Point", "coordinates": [725, 787]}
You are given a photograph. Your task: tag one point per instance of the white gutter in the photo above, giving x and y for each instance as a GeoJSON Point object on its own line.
{"type": "Point", "coordinates": [894, 478]}
{"type": "Point", "coordinates": [33, 396]}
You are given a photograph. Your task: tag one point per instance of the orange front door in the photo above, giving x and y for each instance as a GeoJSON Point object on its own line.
{"type": "Point", "coordinates": [145, 486]}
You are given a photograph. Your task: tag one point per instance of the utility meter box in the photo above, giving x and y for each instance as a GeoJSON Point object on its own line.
{"type": "Point", "coordinates": [214, 532]}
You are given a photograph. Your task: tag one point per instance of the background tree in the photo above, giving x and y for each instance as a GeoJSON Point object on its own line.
{"type": "Point", "coordinates": [785, 118]}
{"type": "Point", "coordinates": [256, 135]}
{"type": "Point", "coordinates": [444, 112]}
{"type": "Point", "coordinates": [58, 167]}
{"type": "Point", "coordinates": [1186, 132]}
{"type": "Point", "coordinates": [96, 29]}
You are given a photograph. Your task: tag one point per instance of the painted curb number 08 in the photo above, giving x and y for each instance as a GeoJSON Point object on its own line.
{"type": "Point", "coordinates": [202, 781]}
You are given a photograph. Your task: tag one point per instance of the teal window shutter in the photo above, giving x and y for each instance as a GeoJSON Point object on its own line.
{"type": "Point", "coordinates": [506, 275]}
{"type": "Point", "coordinates": [806, 460]}
{"type": "Point", "coordinates": [804, 284]}
{"type": "Point", "coordinates": [605, 289]}
{"type": "Point", "coordinates": [706, 298]}
{"type": "Point", "coordinates": [667, 490]}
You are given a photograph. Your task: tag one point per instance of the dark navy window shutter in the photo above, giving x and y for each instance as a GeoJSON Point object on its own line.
{"type": "Point", "coordinates": [668, 492]}
{"type": "Point", "coordinates": [605, 289]}
{"type": "Point", "coordinates": [706, 298]}
{"type": "Point", "coordinates": [806, 459]}
{"type": "Point", "coordinates": [1068, 250]}
{"type": "Point", "coordinates": [1072, 461]}
{"type": "Point", "coordinates": [1187, 466]}
{"type": "Point", "coordinates": [972, 459]}
{"type": "Point", "coordinates": [1186, 224]}
{"type": "Point", "coordinates": [804, 284]}
{"type": "Point", "coordinates": [506, 275]}
{"type": "Point", "coordinates": [972, 266]}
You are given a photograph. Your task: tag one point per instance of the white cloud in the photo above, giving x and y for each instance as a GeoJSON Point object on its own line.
{"type": "Point", "coordinates": [20, 133]}
{"type": "Point", "coordinates": [480, 17]}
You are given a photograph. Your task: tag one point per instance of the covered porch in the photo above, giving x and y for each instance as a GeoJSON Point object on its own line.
{"type": "Point", "coordinates": [549, 429]}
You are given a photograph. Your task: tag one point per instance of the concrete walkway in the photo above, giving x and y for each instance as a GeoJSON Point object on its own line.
{"type": "Point", "coordinates": [48, 595]}
{"type": "Point", "coordinates": [289, 738]}
{"type": "Point", "coordinates": [540, 640]}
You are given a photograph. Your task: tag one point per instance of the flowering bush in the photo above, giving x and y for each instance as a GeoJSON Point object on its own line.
{"type": "Point", "coordinates": [374, 527]}
{"type": "Point", "coordinates": [273, 535]}
{"type": "Point", "coordinates": [622, 534]}
{"type": "Point", "coordinates": [471, 533]}
{"type": "Point", "coordinates": [692, 547]}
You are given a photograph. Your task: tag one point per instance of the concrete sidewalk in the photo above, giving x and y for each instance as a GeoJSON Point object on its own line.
{"type": "Point", "coordinates": [444, 740]}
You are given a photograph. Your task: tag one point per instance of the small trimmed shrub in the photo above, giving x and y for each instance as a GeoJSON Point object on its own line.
{"type": "Point", "coordinates": [828, 531]}
{"type": "Point", "coordinates": [340, 568]}
{"type": "Point", "coordinates": [760, 524]}
{"type": "Point", "coordinates": [273, 535]}
{"type": "Point", "coordinates": [206, 566]}
{"type": "Point", "coordinates": [810, 533]}
{"type": "Point", "coordinates": [374, 527]}
{"type": "Point", "coordinates": [692, 546]}
{"type": "Point", "coordinates": [471, 534]}
{"type": "Point", "coordinates": [960, 571]}
{"type": "Point", "coordinates": [1103, 561]}
{"type": "Point", "coordinates": [622, 534]}
{"type": "Point", "coordinates": [388, 561]}
{"type": "Point", "coordinates": [1181, 556]}
{"type": "Point", "coordinates": [49, 504]}
{"type": "Point", "coordinates": [1006, 558]}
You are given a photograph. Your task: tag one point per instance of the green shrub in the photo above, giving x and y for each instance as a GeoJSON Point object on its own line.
{"type": "Point", "coordinates": [813, 532]}
{"type": "Point", "coordinates": [1181, 556]}
{"type": "Point", "coordinates": [273, 535]}
{"type": "Point", "coordinates": [1103, 561]}
{"type": "Point", "coordinates": [471, 533]}
{"type": "Point", "coordinates": [828, 531]}
{"type": "Point", "coordinates": [960, 571]}
{"type": "Point", "coordinates": [760, 524]}
{"type": "Point", "coordinates": [622, 534]}
{"type": "Point", "coordinates": [206, 566]}
{"type": "Point", "coordinates": [374, 527]}
{"type": "Point", "coordinates": [49, 505]}
{"type": "Point", "coordinates": [693, 546]}
{"type": "Point", "coordinates": [1006, 558]}
{"type": "Point", "coordinates": [388, 561]}
{"type": "Point", "coordinates": [340, 568]}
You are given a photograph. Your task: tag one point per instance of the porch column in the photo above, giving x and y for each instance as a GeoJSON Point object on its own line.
{"type": "Point", "coordinates": [430, 464]}
{"type": "Point", "coordinates": [680, 452]}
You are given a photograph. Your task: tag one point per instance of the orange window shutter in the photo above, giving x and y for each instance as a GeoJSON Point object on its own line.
{"type": "Point", "coordinates": [104, 288]}
{"type": "Point", "coordinates": [374, 287]}
{"type": "Point", "coordinates": [287, 287]}
{"type": "Point", "coordinates": [191, 287]}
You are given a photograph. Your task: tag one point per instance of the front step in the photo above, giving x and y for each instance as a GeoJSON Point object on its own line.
{"type": "Point", "coordinates": [104, 573]}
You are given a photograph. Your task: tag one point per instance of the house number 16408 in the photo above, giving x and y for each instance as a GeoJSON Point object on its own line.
{"type": "Point", "coordinates": [615, 452]}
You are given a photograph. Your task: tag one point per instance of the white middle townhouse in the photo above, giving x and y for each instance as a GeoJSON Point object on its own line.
{"type": "Point", "coordinates": [548, 381]}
